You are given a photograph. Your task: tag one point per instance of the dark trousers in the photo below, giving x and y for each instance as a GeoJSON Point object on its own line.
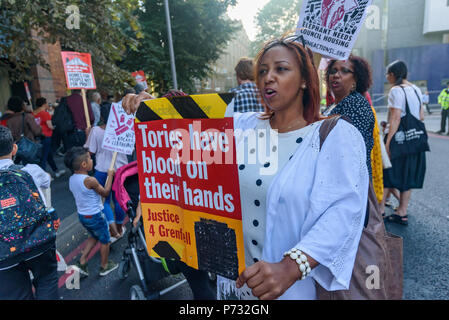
{"type": "Point", "coordinates": [15, 283]}
{"type": "Point", "coordinates": [198, 281]}
{"type": "Point", "coordinates": [444, 116]}
{"type": "Point", "coordinates": [47, 155]}
{"type": "Point", "coordinates": [59, 137]}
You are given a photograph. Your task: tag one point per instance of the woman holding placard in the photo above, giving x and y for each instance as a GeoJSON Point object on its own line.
{"type": "Point", "coordinates": [302, 222]}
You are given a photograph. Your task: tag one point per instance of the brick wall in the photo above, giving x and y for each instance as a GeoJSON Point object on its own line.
{"type": "Point", "coordinates": [50, 84]}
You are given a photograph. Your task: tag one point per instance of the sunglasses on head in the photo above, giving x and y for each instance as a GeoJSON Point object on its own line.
{"type": "Point", "coordinates": [286, 41]}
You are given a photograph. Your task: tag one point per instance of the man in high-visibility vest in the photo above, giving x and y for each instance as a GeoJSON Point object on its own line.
{"type": "Point", "coordinates": [443, 100]}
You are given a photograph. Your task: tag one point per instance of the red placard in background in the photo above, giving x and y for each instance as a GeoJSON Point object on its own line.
{"type": "Point", "coordinates": [139, 76]}
{"type": "Point", "coordinates": [78, 70]}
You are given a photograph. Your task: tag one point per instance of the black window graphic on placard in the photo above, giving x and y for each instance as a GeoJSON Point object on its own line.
{"type": "Point", "coordinates": [217, 248]}
{"type": "Point", "coordinates": [165, 250]}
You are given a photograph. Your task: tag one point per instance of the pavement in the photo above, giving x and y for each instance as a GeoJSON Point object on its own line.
{"type": "Point", "coordinates": [425, 239]}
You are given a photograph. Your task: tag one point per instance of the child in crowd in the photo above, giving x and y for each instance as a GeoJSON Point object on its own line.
{"type": "Point", "coordinates": [103, 161]}
{"type": "Point", "coordinates": [87, 192]}
{"type": "Point", "coordinates": [43, 118]}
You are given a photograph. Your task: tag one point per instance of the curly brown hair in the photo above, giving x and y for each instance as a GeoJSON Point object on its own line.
{"type": "Point", "coordinates": [362, 73]}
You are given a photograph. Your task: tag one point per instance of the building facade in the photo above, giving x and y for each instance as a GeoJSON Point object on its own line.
{"type": "Point", "coordinates": [415, 31]}
{"type": "Point", "coordinates": [223, 77]}
{"type": "Point", "coordinates": [45, 83]}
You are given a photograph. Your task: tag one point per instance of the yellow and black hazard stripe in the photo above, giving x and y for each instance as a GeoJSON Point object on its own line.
{"type": "Point", "coordinates": [203, 106]}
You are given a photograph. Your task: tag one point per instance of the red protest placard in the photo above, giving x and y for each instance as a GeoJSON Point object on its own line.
{"type": "Point", "coordinates": [190, 193]}
{"type": "Point", "coordinates": [140, 78]}
{"type": "Point", "coordinates": [78, 70]}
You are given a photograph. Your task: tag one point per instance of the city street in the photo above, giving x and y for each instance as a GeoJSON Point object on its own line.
{"type": "Point", "coordinates": [425, 238]}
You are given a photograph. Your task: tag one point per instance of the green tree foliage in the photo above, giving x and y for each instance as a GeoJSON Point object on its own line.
{"type": "Point", "coordinates": [200, 30]}
{"type": "Point", "coordinates": [274, 19]}
{"type": "Point", "coordinates": [98, 33]}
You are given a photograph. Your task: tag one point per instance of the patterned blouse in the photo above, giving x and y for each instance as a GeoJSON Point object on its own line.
{"type": "Point", "coordinates": [358, 110]}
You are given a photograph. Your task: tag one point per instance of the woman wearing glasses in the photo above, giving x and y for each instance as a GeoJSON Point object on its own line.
{"type": "Point", "coordinates": [303, 207]}
{"type": "Point", "coordinates": [348, 81]}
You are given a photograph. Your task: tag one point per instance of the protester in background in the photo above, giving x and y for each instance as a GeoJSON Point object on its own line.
{"type": "Point", "coordinates": [138, 88]}
{"type": "Point", "coordinates": [246, 95]}
{"type": "Point", "coordinates": [333, 193]}
{"type": "Point", "coordinates": [43, 118]}
{"type": "Point", "coordinates": [443, 100]}
{"type": "Point", "coordinates": [349, 80]}
{"type": "Point", "coordinates": [76, 106]}
{"type": "Point", "coordinates": [87, 192]}
{"type": "Point", "coordinates": [62, 121]}
{"type": "Point", "coordinates": [426, 101]}
{"type": "Point", "coordinates": [95, 103]}
{"type": "Point", "coordinates": [130, 91]}
{"type": "Point", "coordinates": [103, 161]}
{"type": "Point", "coordinates": [408, 171]}
{"type": "Point", "coordinates": [31, 129]}
{"type": "Point", "coordinates": [15, 282]}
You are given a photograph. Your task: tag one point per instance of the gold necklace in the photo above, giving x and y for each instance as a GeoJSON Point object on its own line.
{"type": "Point", "coordinates": [289, 127]}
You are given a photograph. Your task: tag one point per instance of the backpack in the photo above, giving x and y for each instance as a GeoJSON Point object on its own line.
{"type": "Point", "coordinates": [62, 118]}
{"type": "Point", "coordinates": [25, 224]}
{"type": "Point", "coordinates": [379, 254]}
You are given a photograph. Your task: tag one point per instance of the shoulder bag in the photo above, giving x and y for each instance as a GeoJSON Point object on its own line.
{"type": "Point", "coordinates": [27, 150]}
{"type": "Point", "coordinates": [378, 270]}
{"type": "Point", "coordinates": [411, 137]}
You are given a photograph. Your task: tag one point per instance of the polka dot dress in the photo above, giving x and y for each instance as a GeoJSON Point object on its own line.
{"type": "Point", "coordinates": [255, 179]}
{"type": "Point", "coordinates": [358, 110]}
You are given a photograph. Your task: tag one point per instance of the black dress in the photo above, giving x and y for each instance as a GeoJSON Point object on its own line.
{"type": "Point", "coordinates": [406, 172]}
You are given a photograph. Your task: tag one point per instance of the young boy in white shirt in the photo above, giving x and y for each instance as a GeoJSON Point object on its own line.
{"type": "Point", "coordinates": [87, 192]}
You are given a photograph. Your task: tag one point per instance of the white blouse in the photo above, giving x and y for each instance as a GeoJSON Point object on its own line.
{"type": "Point", "coordinates": [316, 202]}
{"type": "Point", "coordinates": [396, 100]}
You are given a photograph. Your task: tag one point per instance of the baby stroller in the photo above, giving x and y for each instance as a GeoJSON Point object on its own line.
{"type": "Point", "coordinates": [149, 269]}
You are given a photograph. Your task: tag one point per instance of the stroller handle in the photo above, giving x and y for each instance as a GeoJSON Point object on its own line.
{"type": "Point", "coordinates": [131, 213]}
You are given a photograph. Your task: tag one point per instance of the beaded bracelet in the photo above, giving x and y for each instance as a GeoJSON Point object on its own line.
{"type": "Point", "coordinates": [301, 260]}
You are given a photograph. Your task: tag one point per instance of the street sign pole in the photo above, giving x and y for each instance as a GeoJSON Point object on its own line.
{"type": "Point", "coordinates": [170, 44]}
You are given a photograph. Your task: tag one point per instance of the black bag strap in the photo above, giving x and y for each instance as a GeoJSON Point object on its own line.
{"type": "Point", "coordinates": [407, 108]}
{"type": "Point", "coordinates": [417, 95]}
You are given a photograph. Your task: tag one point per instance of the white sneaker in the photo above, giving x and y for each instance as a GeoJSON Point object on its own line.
{"type": "Point", "coordinates": [59, 173]}
{"type": "Point", "coordinates": [123, 231]}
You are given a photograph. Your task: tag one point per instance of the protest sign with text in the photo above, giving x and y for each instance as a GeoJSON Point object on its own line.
{"type": "Point", "coordinates": [189, 187]}
{"type": "Point", "coordinates": [119, 134]}
{"type": "Point", "coordinates": [78, 70]}
{"type": "Point", "coordinates": [331, 27]}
